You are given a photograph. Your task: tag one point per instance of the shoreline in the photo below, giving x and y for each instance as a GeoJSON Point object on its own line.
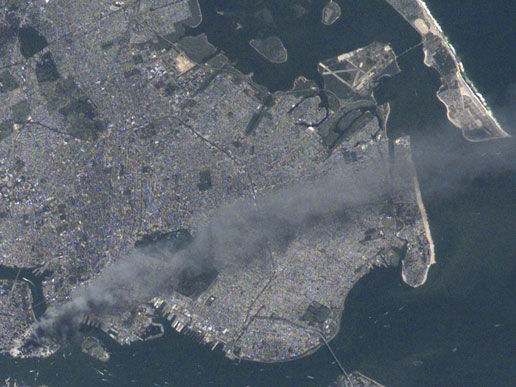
{"type": "Point", "coordinates": [428, 234]}
{"type": "Point", "coordinates": [417, 14]}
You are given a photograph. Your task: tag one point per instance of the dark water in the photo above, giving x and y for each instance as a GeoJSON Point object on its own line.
{"type": "Point", "coordinates": [484, 35]}
{"type": "Point", "coordinates": [458, 329]}
{"type": "Point", "coordinates": [305, 38]}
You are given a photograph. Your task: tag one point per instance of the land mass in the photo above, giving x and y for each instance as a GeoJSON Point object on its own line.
{"type": "Point", "coordinates": [466, 107]}
{"type": "Point", "coordinates": [355, 379]}
{"type": "Point", "coordinates": [330, 13]}
{"type": "Point", "coordinates": [271, 48]}
{"type": "Point", "coordinates": [141, 142]}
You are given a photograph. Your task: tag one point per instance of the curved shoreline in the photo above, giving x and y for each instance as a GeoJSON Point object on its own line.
{"type": "Point", "coordinates": [428, 234]}
{"type": "Point", "coordinates": [475, 118]}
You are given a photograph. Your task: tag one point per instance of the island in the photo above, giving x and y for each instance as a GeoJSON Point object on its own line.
{"type": "Point", "coordinates": [93, 347]}
{"type": "Point", "coordinates": [271, 48]}
{"type": "Point", "coordinates": [331, 13]}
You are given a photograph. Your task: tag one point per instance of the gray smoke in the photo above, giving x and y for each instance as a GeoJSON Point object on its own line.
{"type": "Point", "coordinates": [240, 232]}
{"type": "Point", "coordinates": [237, 234]}
{"type": "Point", "coordinates": [447, 165]}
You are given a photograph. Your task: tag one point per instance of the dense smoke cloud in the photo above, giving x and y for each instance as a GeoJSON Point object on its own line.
{"type": "Point", "coordinates": [447, 164]}
{"type": "Point", "coordinates": [237, 234]}
{"type": "Point", "coordinates": [240, 232]}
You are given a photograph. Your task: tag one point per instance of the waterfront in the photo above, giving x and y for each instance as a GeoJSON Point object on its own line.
{"type": "Point", "coordinates": [457, 329]}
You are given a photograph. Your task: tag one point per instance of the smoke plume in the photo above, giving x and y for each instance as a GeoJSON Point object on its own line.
{"type": "Point", "coordinates": [240, 232]}
{"type": "Point", "coordinates": [237, 234]}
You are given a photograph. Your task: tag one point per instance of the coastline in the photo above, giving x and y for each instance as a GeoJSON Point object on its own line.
{"type": "Point", "coordinates": [420, 252]}
{"type": "Point", "coordinates": [455, 83]}
{"type": "Point", "coordinates": [428, 234]}
{"type": "Point", "coordinates": [387, 325]}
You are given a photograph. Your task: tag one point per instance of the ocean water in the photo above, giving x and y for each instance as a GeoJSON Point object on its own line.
{"type": "Point", "coordinates": [460, 327]}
